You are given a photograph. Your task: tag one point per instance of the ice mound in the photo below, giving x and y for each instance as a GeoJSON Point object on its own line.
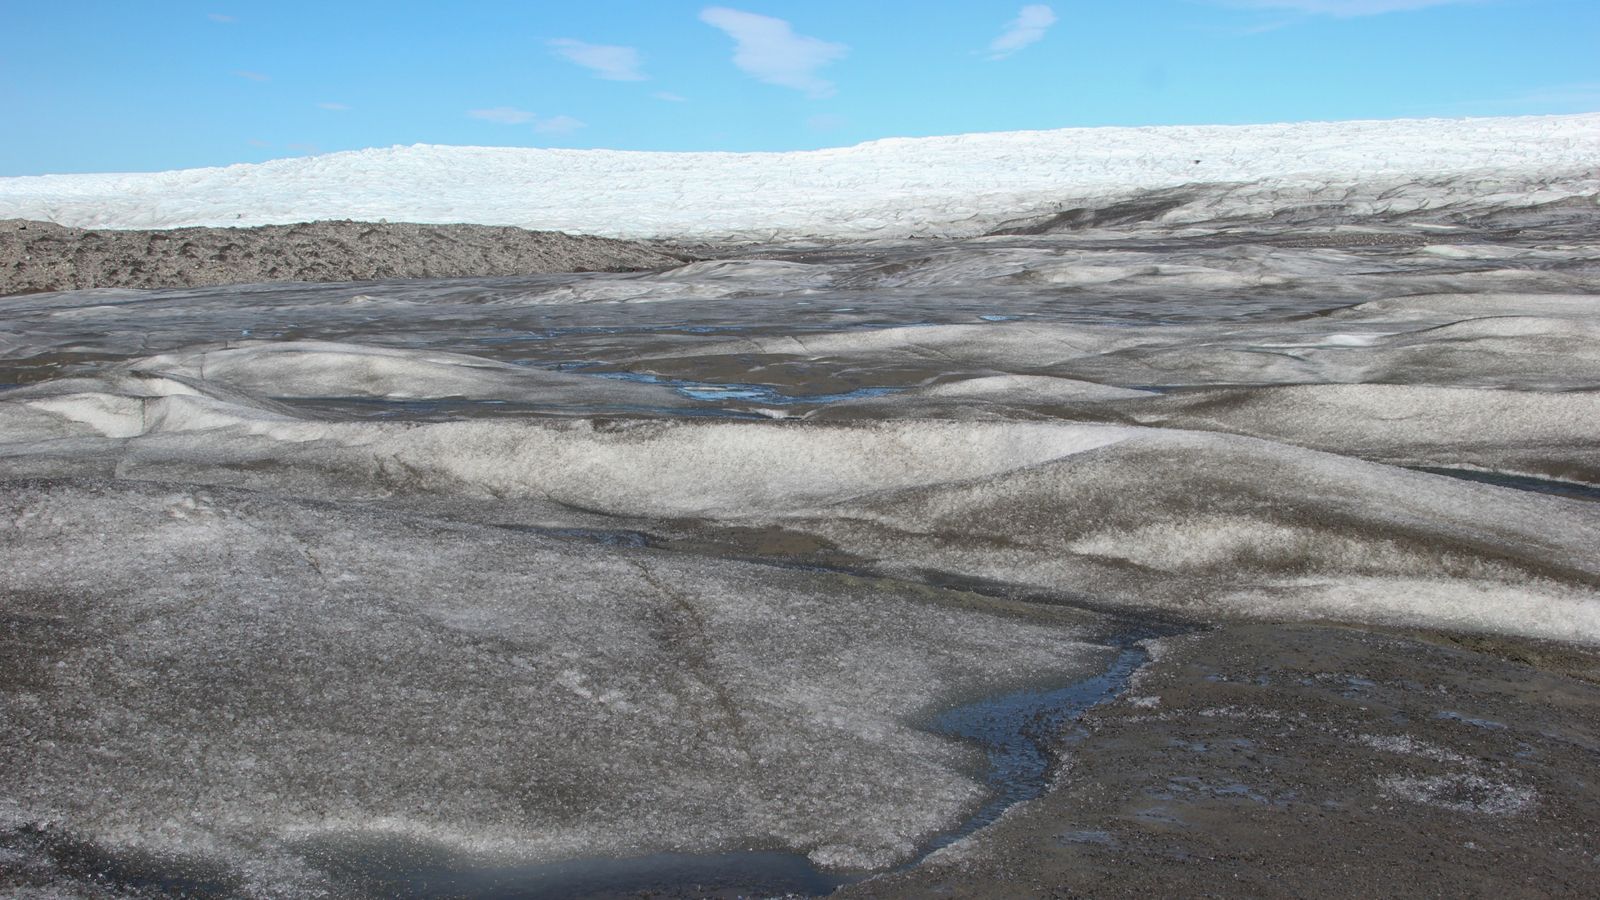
{"type": "Point", "coordinates": [1515, 431]}
{"type": "Point", "coordinates": [1030, 388]}
{"type": "Point", "coordinates": [996, 397]}
{"type": "Point", "coordinates": [1428, 341]}
{"type": "Point", "coordinates": [1109, 510]}
{"type": "Point", "coordinates": [541, 700]}
{"type": "Point", "coordinates": [660, 469]}
{"type": "Point", "coordinates": [1246, 265]}
{"type": "Point", "coordinates": [1183, 520]}
{"type": "Point", "coordinates": [711, 279]}
{"type": "Point", "coordinates": [1020, 345]}
{"type": "Point", "coordinates": [1475, 305]}
{"type": "Point", "coordinates": [327, 369]}
{"type": "Point", "coordinates": [126, 405]}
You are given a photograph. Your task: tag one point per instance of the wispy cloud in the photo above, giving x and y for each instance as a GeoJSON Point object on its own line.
{"type": "Point", "coordinates": [611, 63]}
{"type": "Point", "coordinates": [510, 115]}
{"type": "Point", "coordinates": [335, 107]}
{"type": "Point", "coordinates": [1583, 95]}
{"type": "Point", "coordinates": [826, 122]}
{"type": "Point", "coordinates": [1028, 27]}
{"type": "Point", "coordinates": [769, 49]}
{"type": "Point", "coordinates": [669, 97]}
{"type": "Point", "coordinates": [252, 76]}
{"type": "Point", "coordinates": [502, 115]}
{"type": "Point", "coordinates": [221, 19]}
{"type": "Point", "coordinates": [1580, 97]}
{"type": "Point", "coordinates": [1345, 9]}
{"type": "Point", "coordinates": [557, 125]}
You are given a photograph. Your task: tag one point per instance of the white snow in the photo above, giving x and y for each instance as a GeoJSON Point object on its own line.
{"type": "Point", "coordinates": [959, 184]}
{"type": "Point", "coordinates": [1462, 793]}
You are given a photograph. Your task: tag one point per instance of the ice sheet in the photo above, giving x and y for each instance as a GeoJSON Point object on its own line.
{"type": "Point", "coordinates": [957, 185]}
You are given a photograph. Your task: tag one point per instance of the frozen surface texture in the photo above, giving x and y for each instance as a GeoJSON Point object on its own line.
{"type": "Point", "coordinates": [309, 672]}
{"type": "Point", "coordinates": [511, 571]}
{"type": "Point", "coordinates": [959, 185]}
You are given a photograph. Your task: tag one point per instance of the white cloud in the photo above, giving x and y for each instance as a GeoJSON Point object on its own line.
{"type": "Point", "coordinates": [557, 125]}
{"type": "Point", "coordinates": [769, 49]}
{"type": "Point", "coordinates": [220, 18]}
{"type": "Point", "coordinates": [826, 122]}
{"type": "Point", "coordinates": [503, 115]}
{"type": "Point", "coordinates": [510, 115]}
{"type": "Point", "coordinates": [252, 76]}
{"type": "Point", "coordinates": [669, 97]}
{"type": "Point", "coordinates": [1587, 95]}
{"type": "Point", "coordinates": [611, 63]}
{"type": "Point", "coordinates": [1028, 27]}
{"type": "Point", "coordinates": [1581, 97]}
{"type": "Point", "coordinates": [335, 107]}
{"type": "Point", "coordinates": [1345, 8]}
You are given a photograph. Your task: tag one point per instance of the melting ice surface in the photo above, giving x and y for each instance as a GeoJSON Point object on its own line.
{"type": "Point", "coordinates": [522, 572]}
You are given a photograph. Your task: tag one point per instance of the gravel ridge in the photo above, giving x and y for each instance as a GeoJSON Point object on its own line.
{"type": "Point", "coordinates": [43, 256]}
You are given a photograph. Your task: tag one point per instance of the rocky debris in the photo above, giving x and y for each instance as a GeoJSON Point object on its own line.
{"type": "Point", "coordinates": [41, 256]}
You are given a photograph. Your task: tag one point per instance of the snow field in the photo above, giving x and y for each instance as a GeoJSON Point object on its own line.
{"type": "Point", "coordinates": [957, 185]}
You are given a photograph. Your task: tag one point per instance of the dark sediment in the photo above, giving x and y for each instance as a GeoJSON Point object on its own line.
{"type": "Point", "coordinates": [1300, 760]}
{"type": "Point", "coordinates": [41, 256]}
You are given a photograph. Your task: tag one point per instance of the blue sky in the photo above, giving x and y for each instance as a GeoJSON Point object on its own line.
{"type": "Point", "coordinates": [134, 86]}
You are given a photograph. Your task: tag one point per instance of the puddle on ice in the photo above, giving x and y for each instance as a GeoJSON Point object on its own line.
{"type": "Point", "coordinates": [1016, 730]}
{"type": "Point", "coordinates": [758, 393]}
{"type": "Point", "coordinates": [609, 537]}
{"type": "Point", "coordinates": [1519, 482]}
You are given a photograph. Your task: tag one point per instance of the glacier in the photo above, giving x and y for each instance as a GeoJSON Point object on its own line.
{"type": "Point", "coordinates": [960, 185]}
{"type": "Point", "coordinates": [564, 569]}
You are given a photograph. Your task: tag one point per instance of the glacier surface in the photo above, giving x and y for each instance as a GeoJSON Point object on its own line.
{"type": "Point", "coordinates": [530, 569]}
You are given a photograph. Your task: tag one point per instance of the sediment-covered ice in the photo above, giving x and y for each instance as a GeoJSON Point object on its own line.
{"type": "Point", "coordinates": [1516, 352]}
{"type": "Point", "coordinates": [734, 279]}
{"type": "Point", "coordinates": [1529, 432]}
{"type": "Point", "coordinates": [1244, 463]}
{"type": "Point", "coordinates": [315, 369]}
{"type": "Point", "coordinates": [577, 565]}
{"type": "Point", "coordinates": [305, 672]}
{"type": "Point", "coordinates": [1112, 510]}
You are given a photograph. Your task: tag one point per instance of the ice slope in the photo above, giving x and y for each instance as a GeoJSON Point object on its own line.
{"type": "Point", "coordinates": [963, 184]}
